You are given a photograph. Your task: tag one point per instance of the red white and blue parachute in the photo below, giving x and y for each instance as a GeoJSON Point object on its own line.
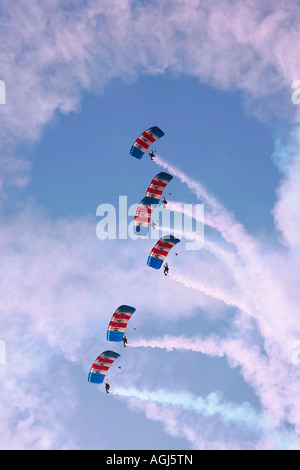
{"type": "Point", "coordinates": [161, 250]}
{"type": "Point", "coordinates": [118, 323]}
{"type": "Point", "coordinates": [154, 192]}
{"type": "Point", "coordinates": [144, 141]}
{"type": "Point", "coordinates": [101, 365]}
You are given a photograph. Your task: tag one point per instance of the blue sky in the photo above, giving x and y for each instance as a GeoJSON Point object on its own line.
{"type": "Point", "coordinates": [81, 86]}
{"type": "Point", "coordinates": [201, 124]}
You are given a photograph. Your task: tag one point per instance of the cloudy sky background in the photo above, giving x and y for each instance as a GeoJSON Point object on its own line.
{"type": "Point", "coordinates": [214, 363]}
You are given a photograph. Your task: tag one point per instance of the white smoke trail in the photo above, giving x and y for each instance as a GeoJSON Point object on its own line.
{"type": "Point", "coordinates": [249, 271]}
{"type": "Point", "coordinates": [238, 354]}
{"type": "Point", "coordinates": [263, 291]}
{"type": "Point", "coordinates": [215, 292]}
{"type": "Point", "coordinates": [211, 405]}
{"type": "Point", "coordinates": [219, 218]}
{"type": "Point", "coordinates": [230, 299]}
{"type": "Point", "coordinates": [194, 186]}
{"type": "Point", "coordinates": [211, 346]}
{"type": "Point", "coordinates": [246, 265]}
{"type": "Point", "coordinates": [226, 256]}
{"type": "Point", "coordinates": [254, 366]}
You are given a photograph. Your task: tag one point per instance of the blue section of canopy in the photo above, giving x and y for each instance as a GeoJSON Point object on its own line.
{"type": "Point", "coordinates": [147, 201]}
{"type": "Point", "coordinates": [157, 131]}
{"type": "Point", "coordinates": [135, 151]}
{"type": "Point", "coordinates": [96, 378]}
{"type": "Point", "coordinates": [169, 238]}
{"type": "Point", "coordinates": [114, 336]}
{"type": "Point", "coordinates": [154, 262]}
{"type": "Point", "coordinates": [164, 176]}
{"type": "Point", "coordinates": [110, 354]}
{"type": "Point", "coordinates": [126, 308]}
{"type": "Point", "coordinates": [142, 231]}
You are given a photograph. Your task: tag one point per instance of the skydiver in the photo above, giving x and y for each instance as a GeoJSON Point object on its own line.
{"type": "Point", "coordinates": [153, 224]}
{"type": "Point", "coordinates": [107, 386]}
{"type": "Point", "coordinates": [124, 339]}
{"type": "Point", "coordinates": [166, 269]}
{"type": "Point", "coordinates": [164, 201]}
{"type": "Point", "coordinates": [151, 154]}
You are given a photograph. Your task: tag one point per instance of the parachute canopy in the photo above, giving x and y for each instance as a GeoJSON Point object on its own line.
{"type": "Point", "coordinates": [161, 250]}
{"type": "Point", "coordinates": [101, 365]}
{"type": "Point", "coordinates": [118, 323]}
{"type": "Point", "coordinates": [144, 141]}
{"type": "Point", "coordinates": [143, 214]}
{"type": "Point", "coordinates": [142, 218]}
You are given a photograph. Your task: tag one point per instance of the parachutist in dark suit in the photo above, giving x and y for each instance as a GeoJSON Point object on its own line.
{"type": "Point", "coordinates": [152, 155]}
{"type": "Point", "coordinates": [124, 339]}
{"type": "Point", "coordinates": [166, 269]}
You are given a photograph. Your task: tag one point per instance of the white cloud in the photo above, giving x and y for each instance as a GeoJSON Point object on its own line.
{"type": "Point", "coordinates": [52, 54]}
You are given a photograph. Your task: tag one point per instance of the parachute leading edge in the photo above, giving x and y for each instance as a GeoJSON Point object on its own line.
{"type": "Point", "coordinates": [161, 250]}
{"type": "Point", "coordinates": [101, 365]}
{"type": "Point", "coordinates": [118, 323]}
{"type": "Point", "coordinates": [154, 192]}
{"type": "Point", "coordinates": [144, 141]}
